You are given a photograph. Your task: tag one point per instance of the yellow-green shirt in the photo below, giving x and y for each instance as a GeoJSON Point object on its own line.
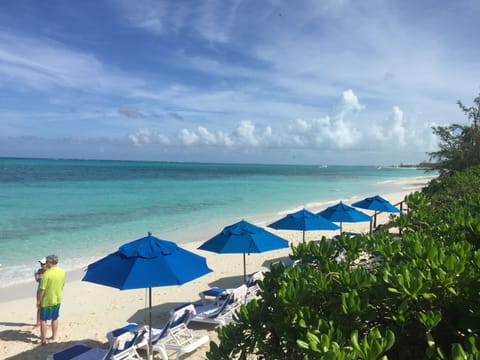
{"type": "Point", "coordinates": [52, 284]}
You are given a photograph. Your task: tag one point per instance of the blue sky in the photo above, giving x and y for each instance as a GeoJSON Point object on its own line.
{"type": "Point", "coordinates": [322, 82]}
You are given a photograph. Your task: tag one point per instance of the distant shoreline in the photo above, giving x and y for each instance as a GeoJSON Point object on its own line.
{"type": "Point", "coordinates": [413, 166]}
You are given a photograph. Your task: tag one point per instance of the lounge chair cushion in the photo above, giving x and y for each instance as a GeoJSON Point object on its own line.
{"type": "Point", "coordinates": [79, 352]}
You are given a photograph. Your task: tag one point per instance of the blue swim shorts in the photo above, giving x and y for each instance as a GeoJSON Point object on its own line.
{"type": "Point", "coordinates": [49, 312]}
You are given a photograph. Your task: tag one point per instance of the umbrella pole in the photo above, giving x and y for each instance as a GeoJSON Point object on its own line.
{"type": "Point", "coordinates": [244, 269]}
{"type": "Point", "coordinates": [303, 235]}
{"type": "Point", "coordinates": [150, 347]}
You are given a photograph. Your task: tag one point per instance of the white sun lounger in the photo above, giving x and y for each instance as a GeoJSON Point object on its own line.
{"type": "Point", "coordinates": [122, 348]}
{"type": "Point", "coordinates": [221, 314]}
{"type": "Point", "coordinates": [175, 336]}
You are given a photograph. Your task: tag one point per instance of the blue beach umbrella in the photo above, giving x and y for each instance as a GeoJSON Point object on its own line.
{"type": "Point", "coordinates": [243, 238]}
{"type": "Point", "coordinates": [377, 204]}
{"type": "Point", "coordinates": [343, 213]}
{"type": "Point", "coordinates": [303, 220]}
{"type": "Point", "coordinates": [145, 263]}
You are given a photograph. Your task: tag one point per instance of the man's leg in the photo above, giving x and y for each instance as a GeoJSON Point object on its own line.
{"type": "Point", "coordinates": [54, 328]}
{"type": "Point", "coordinates": [43, 331]}
{"type": "Point", "coordinates": [37, 324]}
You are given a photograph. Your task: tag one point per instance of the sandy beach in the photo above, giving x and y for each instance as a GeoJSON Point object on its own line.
{"type": "Point", "coordinates": [89, 311]}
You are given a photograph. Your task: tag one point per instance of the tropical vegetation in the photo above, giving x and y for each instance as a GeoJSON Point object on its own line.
{"type": "Point", "coordinates": [459, 145]}
{"type": "Point", "coordinates": [380, 296]}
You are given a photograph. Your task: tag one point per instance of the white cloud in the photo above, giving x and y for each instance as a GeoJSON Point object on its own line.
{"type": "Point", "coordinates": [206, 137]}
{"type": "Point", "coordinates": [344, 135]}
{"type": "Point", "coordinates": [163, 139]}
{"type": "Point", "coordinates": [398, 130]}
{"type": "Point", "coordinates": [333, 131]}
{"type": "Point", "coordinates": [245, 133]}
{"type": "Point", "coordinates": [348, 102]}
{"type": "Point", "coordinates": [398, 133]}
{"type": "Point", "coordinates": [188, 137]}
{"type": "Point", "coordinates": [338, 131]}
{"type": "Point", "coordinates": [199, 136]}
{"type": "Point", "coordinates": [225, 139]}
{"type": "Point", "coordinates": [141, 137]}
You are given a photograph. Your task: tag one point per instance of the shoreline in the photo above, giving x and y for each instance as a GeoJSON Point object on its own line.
{"type": "Point", "coordinates": [78, 245]}
{"type": "Point", "coordinates": [89, 311]}
{"type": "Point", "coordinates": [191, 234]}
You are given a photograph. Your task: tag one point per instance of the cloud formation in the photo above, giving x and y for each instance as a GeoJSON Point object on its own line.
{"type": "Point", "coordinates": [337, 131]}
{"type": "Point", "coordinates": [215, 80]}
{"type": "Point", "coordinates": [141, 137]}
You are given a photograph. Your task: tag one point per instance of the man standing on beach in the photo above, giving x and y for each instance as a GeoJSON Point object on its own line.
{"type": "Point", "coordinates": [50, 297]}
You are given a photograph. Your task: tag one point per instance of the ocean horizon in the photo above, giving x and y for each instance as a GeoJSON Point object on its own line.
{"type": "Point", "coordinates": [82, 210]}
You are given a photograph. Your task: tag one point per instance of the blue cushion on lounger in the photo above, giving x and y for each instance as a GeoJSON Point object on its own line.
{"type": "Point", "coordinates": [124, 329]}
{"type": "Point", "coordinates": [71, 352]}
{"type": "Point", "coordinates": [215, 291]}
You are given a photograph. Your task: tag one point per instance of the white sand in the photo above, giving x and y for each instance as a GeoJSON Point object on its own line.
{"type": "Point", "coordinates": [89, 311]}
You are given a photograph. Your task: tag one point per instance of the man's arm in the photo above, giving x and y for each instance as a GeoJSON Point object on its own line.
{"type": "Point", "coordinates": [41, 290]}
{"type": "Point", "coordinates": [40, 294]}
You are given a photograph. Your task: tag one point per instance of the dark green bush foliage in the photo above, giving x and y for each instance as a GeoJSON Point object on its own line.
{"type": "Point", "coordinates": [457, 198]}
{"type": "Point", "coordinates": [375, 296]}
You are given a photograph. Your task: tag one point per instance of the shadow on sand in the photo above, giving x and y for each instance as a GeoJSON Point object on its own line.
{"type": "Point", "coordinates": [160, 315]}
{"type": "Point", "coordinates": [161, 312]}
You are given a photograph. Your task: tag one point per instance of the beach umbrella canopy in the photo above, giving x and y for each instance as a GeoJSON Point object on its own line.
{"type": "Point", "coordinates": [243, 238]}
{"type": "Point", "coordinates": [343, 213]}
{"type": "Point", "coordinates": [145, 263]}
{"type": "Point", "coordinates": [303, 220]}
{"type": "Point", "coordinates": [376, 203]}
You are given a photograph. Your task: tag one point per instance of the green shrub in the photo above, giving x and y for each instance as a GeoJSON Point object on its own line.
{"type": "Point", "coordinates": [382, 298]}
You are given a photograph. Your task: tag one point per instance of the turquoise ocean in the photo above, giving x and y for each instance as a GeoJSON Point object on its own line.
{"type": "Point", "coordinates": [82, 210]}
